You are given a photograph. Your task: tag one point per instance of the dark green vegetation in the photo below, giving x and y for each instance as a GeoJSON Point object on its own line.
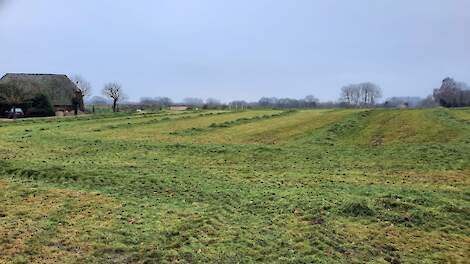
{"type": "Point", "coordinates": [320, 186]}
{"type": "Point", "coordinates": [41, 106]}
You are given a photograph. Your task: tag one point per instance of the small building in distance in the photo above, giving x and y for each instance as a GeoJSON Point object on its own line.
{"type": "Point", "coordinates": [180, 107]}
{"type": "Point", "coordinates": [58, 87]}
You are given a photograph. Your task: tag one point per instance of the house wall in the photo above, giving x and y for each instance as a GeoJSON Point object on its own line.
{"type": "Point", "coordinates": [63, 108]}
{"type": "Point", "coordinates": [179, 108]}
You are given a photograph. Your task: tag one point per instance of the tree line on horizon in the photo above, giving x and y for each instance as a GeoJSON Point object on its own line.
{"type": "Point", "coordinates": [450, 94]}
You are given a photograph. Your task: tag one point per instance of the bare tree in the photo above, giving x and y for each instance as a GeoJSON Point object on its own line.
{"type": "Point", "coordinates": [238, 105]}
{"type": "Point", "coordinates": [114, 91]}
{"type": "Point", "coordinates": [352, 94]}
{"type": "Point", "coordinates": [373, 92]}
{"type": "Point", "coordinates": [348, 94]}
{"type": "Point", "coordinates": [82, 84]}
{"type": "Point", "coordinates": [12, 96]}
{"type": "Point", "coordinates": [369, 93]}
{"type": "Point", "coordinates": [356, 95]}
{"type": "Point", "coordinates": [361, 94]}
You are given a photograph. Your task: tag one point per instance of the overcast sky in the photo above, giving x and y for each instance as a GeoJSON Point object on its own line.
{"type": "Point", "coordinates": [240, 49]}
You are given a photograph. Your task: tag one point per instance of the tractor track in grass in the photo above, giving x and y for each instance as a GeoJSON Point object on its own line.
{"type": "Point", "coordinates": [227, 124]}
{"type": "Point", "coordinates": [129, 122]}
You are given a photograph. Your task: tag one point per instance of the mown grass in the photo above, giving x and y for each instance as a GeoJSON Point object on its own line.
{"type": "Point", "coordinates": [405, 127]}
{"type": "Point", "coordinates": [304, 187]}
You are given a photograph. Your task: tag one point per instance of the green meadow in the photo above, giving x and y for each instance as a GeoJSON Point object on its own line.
{"type": "Point", "coordinates": [269, 186]}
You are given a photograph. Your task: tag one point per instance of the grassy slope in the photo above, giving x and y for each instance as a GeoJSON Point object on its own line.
{"type": "Point", "coordinates": [406, 126]}
{"type": "Point", "coordinates": [311, 186]}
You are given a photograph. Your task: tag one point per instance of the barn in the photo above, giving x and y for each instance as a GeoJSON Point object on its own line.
{"type": "Point", "coordinates": [180, 107]}
{"type": "Point", "coordinates": [58, 87]}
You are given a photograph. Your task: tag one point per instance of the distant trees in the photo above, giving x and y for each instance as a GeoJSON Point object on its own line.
{"type": "Point", "coordinates": [193, 101]}
{"type": "Point", "coordinates": [405, 101]}
{"type": "Point", "coordinates": [370, 93]}
{"type": "Point", "coordinates": [159, 102]}
{"type": "Point", "coordinates": [289, 103]}
{"type": "Point", "coordinates": [268, 101]}
{"type": "Point", "coordinates": [311, 101]}
{"type": "Point", "coordinates": [452, 93]}
{"type": "Point", "coordinates": [361, 94]}
{"type": "Point", "coordinates": [428, 102]}
{"type": "Point", "coordinates": [164, 101]}
{"type": "Point", "coordinates": [238, 105]}
{"type": "Point", "coordinates": [98, 100]}
{"type": "Point", "coordinates": [273, 102]}
{"type": "Point", "coordinates": [114, 92]}
{"type": "Point", "coordinates": [212, 103]}
{"type": "Point", "coordinates": [350, 94]}
{"type": "Point", "coordinates": [410, 102]}
{"type": "Point", "coordinates": [209, 103]}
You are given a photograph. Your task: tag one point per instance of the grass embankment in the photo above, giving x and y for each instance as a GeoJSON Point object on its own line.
{"type": "Point", "coordinates": [345, 186]}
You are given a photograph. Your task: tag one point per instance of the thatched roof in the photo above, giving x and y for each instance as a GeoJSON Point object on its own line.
{"type": "Point", "coordinates": [59, 88]}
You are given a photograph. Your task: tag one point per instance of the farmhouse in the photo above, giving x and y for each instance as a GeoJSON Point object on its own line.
{"type": "Point", "coordinates": [180, 107]}
{"type": "Point", "coordinates": [59, 88]}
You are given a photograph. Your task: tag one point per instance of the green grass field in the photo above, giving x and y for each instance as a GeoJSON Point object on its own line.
{"type": "Point", "coordinates": [313, 186]}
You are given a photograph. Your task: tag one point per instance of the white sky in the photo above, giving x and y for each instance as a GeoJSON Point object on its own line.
{"type": "Point", "coordinates": [240, 49]}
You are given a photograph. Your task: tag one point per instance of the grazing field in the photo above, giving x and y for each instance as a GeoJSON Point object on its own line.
{"type": "Point", "coordinates": [313, 186]}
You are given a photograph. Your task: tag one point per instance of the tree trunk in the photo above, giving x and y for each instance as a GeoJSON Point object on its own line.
{"type": "Point", "coordinates": [114, 105]}
{"type": "Point", "coordinates": [14, 112]}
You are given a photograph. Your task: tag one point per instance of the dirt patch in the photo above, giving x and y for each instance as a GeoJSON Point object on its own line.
{"type": "Point", "coordinates": [377, 140]}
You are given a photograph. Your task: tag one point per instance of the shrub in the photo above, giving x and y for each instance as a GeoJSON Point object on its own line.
{"type": "Point", "coordinates": [41, 106]}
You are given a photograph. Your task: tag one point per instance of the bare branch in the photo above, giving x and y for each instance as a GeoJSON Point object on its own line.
{"type": "Point", "coordinates": [114, 91]}
{"type": "Point", "coordinates": [82, 84]}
